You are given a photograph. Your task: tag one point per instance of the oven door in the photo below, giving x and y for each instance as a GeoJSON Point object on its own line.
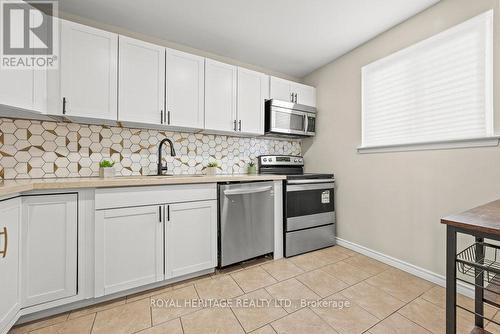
{"type": "Point", "coordinates": [309, 203]}
{"type": "Point", "coordinates": [287, 121]}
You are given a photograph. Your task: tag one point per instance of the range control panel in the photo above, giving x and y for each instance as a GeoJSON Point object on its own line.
{"type": "Point", "coordinates": [281, 160]}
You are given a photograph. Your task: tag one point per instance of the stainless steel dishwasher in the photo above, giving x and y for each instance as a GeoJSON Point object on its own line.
{"type": "Point", "coordinates": [246, 221]}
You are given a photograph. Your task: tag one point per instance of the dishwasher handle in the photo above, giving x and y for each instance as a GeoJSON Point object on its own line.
{"type": "Point", "coordinates": [247, 191]}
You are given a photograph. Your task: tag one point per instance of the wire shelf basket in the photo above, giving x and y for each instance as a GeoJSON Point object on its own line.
{"type": "Point", "coordinates": [480, 258]}
{"type": "Point", "coordinates": [481, 261]}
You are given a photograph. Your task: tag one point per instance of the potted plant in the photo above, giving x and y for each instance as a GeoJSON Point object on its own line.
{"type": "Point", "coordinates": [252, 169]}
{"type": "Point", "coordinates": [211, 168]}
{"type": "Point", "coordinates": [106, 168]}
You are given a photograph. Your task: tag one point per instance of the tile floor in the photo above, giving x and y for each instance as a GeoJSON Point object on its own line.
{"type": "Point", "coordinates": [370, 296]}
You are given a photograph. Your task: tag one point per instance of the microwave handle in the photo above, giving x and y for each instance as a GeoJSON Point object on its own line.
{"type": "Point", "coordinates": [306, 124]}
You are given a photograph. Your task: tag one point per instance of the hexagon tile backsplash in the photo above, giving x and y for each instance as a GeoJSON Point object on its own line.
{"type": "Point", "coordinates": [36, 149]}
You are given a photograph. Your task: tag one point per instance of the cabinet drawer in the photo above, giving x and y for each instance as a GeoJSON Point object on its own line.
{"type": "Point", "coordinates": [106, 198]}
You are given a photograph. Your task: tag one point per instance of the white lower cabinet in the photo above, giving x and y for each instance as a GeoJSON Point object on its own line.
{"type": "Point", "coordinates": [190, 238]}
{"type": "Point", "coordinates": [135, 243]}
{"type": "Point", "coordinates": [10, 220]}
{"type": "Point", "coordinates": [49, 232]}
{"type": "Point", "coordinates": [145, 235]}
{"type": "Point", "coordinates": [128, 248]}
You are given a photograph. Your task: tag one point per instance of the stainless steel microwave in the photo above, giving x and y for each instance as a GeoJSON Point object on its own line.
{"type": "Point", "coordinates": [289, 119]}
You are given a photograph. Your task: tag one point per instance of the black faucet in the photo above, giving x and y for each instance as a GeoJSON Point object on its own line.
{"type": "Point", "coordinates": [162, 168]}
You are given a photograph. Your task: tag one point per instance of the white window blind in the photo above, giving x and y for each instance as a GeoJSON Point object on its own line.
{"type": "Point", "coordinates": [437, 90]}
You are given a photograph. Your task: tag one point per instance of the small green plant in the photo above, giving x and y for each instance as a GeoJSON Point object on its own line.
{"type": "Point", "coordinates": [106, 163]}
{"type": "Point", "coordinates": [213, 164]}
{"type": "Point", "coordinates": [251, 164]}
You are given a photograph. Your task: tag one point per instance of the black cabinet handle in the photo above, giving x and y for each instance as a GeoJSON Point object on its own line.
{"type": "Point", "coordinates": [161, 116]}
{"type": "Point", "coordinates": [168, 117]}
{"type": "Point", "coordinates": [64, 106]}
{"type": "Point", "coordinates": [239, 125]}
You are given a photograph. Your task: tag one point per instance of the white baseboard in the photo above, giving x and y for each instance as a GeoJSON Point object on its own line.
{"type": "Point", "coordinates": [462, 288]}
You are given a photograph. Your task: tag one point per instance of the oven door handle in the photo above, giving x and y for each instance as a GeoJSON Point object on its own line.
{"type": "Point", "coordinates": [310, 181]}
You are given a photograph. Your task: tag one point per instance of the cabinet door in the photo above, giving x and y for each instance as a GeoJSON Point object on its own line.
{"type": "Point", "coordinates": [141, 76]}
{"type": "Point", "coordinates": [185, 89]}
{"type": "Point", "coordinates": [16, 88]}
{"type": "Point", "coordinates": [280, 89]}
{"type": "Point", "coordinates": [190, 238]}
{"type": "Point", "coordinates": [24, 88]}
{"type": "Point", "coordinates": [89, 77]}
{"type": "Point", "coordinates": [305, 94]}
{"type": "Point", "coordinates": [10, 221]}
{"type": "Point", "coordinates": [220, 96]}
{"type": "Point", "coordinates": [128, 248]}
{"type": "Point", "coordinates": [253, 90]}
{"type": "Point", "coordinates": [49, 241]}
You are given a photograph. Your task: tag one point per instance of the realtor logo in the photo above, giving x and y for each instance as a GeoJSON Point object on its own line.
{"type": "Point", "coordinates": [29, 36]}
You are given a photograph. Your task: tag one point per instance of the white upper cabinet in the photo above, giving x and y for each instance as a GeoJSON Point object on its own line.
{"type": "Point", "coordinates": [286, 90]}
{"type": "Point", "coordinates": [141, 82]}
{"type": "Point", "coordinates": [25, 89]}
{"type": "Point", "coordinates": [49, 243]}
{"type": "Point", "coordinates": [253, 90]}
{"type": "Point", "coordinates": [106, 77]}
{"type": "Point", "coordinates": [305, 95]}
{"type": "Point", "coordinates": [280, 89]}
{"type": "Point", "coordinates": [185, 89]}
{"type": "Point", "coordinates": [89, 80]}
{"type": "Point", "coordinates": [10, 213]}
{"type": "Point", "coordinates": [220, 96]}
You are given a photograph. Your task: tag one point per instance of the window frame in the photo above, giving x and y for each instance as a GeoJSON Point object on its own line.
{"type": "Point", "coordinates": [489, 139]}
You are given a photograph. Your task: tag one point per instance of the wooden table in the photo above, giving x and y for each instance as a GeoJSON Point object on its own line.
{"type": "Point", "coordinates": [481, 222]}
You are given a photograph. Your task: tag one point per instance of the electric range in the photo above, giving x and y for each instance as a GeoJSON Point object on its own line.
{"type": "Point", "coordinates": [308, 204]}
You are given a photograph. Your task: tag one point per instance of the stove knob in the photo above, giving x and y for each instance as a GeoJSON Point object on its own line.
{"type": "Point", "coordinates": [265, 159]}
{"type": "Point", "coordinates": [296, 160]}
{"type": "Point", "coordinates": [270, 159]}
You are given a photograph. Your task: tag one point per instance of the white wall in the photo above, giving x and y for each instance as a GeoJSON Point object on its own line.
{"type": "Point", "coordinates": [393, 202]}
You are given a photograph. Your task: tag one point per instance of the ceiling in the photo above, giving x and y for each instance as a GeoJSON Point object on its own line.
{"type": "Point", "coordinates": [293, 37]}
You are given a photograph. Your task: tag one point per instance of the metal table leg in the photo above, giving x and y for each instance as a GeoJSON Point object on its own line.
{"type": "Point", "coordinates": [479, 282]}
{"type": "Point", "coordinates": [451, 275]}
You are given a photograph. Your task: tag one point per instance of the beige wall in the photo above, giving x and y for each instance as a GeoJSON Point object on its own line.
{"type": "Point", "coordinates": [392, 202]}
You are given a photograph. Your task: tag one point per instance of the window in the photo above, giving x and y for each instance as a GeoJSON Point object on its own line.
{"type": "Point", "coordinates": [438, 90]}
